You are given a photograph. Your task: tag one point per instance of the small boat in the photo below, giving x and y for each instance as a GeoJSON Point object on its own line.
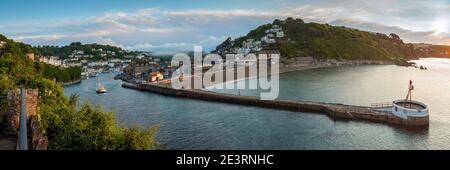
{"type": "Point", "coordinates": [84, 75]}
{"type": "Point", "coordinates": [101, 89]}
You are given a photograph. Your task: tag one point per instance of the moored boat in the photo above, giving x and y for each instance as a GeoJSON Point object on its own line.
{"type": "Point", "coordinates": [101, 89]}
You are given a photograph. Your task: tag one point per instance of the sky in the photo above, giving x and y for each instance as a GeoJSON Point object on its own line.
{"type": "Point", "coordinates": [171, 26]}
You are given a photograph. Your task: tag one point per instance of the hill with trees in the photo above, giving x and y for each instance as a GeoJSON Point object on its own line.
{"type": "Point", "coordinates": [330, 42]}
{"type": "Point", "coordinates": [429, 50]}
{"type": "Point", "coordinates": [96, 50]}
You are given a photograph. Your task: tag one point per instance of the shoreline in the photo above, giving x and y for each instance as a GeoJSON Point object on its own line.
{"type": "Point", "coordinates": [64, 84]}
{"type": "Point", "coordinates": [308, 67]}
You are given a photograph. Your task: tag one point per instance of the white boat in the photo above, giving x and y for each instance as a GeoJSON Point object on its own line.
{"type": "Point", "coordinates": [101, 89]}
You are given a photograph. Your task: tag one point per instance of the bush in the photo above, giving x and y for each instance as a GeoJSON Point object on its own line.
{"type": "Point", "coordinates": [60, 75]}
{"type": "Point", "coordinates": [66, 127]}
{"type": "Point", "coordinates": [90, 129]}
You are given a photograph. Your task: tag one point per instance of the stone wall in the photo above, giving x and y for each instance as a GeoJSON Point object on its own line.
{"type": "Point", "coordinates": [71, 82]}
{"type": "Point", "coordinates": [410, 121]}
{"type": "Point", "coordinates": [37, 138]}
{"type": "Point", "coordinates": [2, 119]}
{"type": "Point", "coordinates": [11, 123]}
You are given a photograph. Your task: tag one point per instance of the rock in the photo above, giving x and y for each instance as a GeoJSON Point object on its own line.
{"type": "Point", "coordinates": [38, 140]}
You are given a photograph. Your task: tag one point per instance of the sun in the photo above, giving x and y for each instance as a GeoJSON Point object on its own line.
{"type": "Point", "coordinates": [441, 25]}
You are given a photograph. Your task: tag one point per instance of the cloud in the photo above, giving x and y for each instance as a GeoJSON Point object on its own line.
{"type": "Point", "coordinates": [158, 30]}
{"type": "Point", "coordinates": [165, 30]}
{"type": "Point", "coordinates": [107, 41]}
{"type": "Point", "coordinates": [229, 14]}
{"type": "Point", "coordinates": [432, 36]}
{"type": "Point", "coordinates": [51, 37]}
{"type": "Point", "coordinates": [169, 48]}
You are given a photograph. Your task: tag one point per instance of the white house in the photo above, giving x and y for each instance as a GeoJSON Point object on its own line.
{"type": "Point", "coordinates": [79, 52]}
{"type": "Point", "coordinates": [270, 40]}
{"type": "Point", "coordinates": [2, 43]}
{"type": "Point", "coordinates": [280, 34]}
{"type": "Point", "coordinates": [244, 51]}
{"type": "Point", "coordinates": [140, 56]}
{"type": "Point", "coordinates": [54, 61]}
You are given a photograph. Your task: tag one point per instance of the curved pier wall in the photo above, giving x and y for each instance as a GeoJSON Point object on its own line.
{"type": "Point", "coordinates": [331, 109]}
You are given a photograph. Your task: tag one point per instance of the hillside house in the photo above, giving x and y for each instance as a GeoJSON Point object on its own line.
{"type": "Point", "coordinates": [155, 77]}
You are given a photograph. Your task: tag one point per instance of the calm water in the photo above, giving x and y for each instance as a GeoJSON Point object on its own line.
{"type": "Point", "coordinates": [192, 124]}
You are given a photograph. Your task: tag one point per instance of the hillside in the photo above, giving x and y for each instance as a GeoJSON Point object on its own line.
{"type": "Point", "coordinates": [302, 39]}
{"type": "Point", "coordinates": [429, 50]}
{"type": "Point", "coordinates": [14, 63]}
{"type": "Point", "coordinates": [97, 51]}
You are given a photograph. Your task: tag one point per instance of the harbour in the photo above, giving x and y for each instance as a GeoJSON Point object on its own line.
{"type": "Point", "coordinates": [195, 124]}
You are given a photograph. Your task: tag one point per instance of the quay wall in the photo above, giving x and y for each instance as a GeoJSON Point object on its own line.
{"type": "Point", "coordinates": [331, 109]}
{"type": "Point", "coordinates": [71, 82]}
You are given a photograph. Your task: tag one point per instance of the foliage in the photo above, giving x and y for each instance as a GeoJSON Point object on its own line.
{"type": "Point", "coordinates": [73, 100]}
{"type": "Point", "coordinates": [90, 129]}
{"type": "Point", "coordinates": [89, 49]}
{"type": "Point", "coordinates": [65, 126]}
{"type": "Point", "coordinates": [432, 50]}
{"type": "Point", "coordinates": [60, 75]}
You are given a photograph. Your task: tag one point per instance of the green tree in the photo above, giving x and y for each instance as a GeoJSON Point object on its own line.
{"type": "Point", "coordinates": [66, 126]}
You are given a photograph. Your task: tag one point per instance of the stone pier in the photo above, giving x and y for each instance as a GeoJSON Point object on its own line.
{"type": "Point", "coordinates": [331, 109]}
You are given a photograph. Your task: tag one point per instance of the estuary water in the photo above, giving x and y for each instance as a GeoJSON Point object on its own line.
{"type": "Point", "coordinates": [192, 124]}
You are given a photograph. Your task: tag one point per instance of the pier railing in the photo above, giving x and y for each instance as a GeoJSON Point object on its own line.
{"type": "Point", "coordinates": [381, 105]}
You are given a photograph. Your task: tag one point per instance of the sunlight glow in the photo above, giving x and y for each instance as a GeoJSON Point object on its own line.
{"type": "Point", "coordinates": [441, 25]}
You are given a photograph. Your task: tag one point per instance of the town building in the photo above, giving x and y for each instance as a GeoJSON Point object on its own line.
{"type": "Point", "coordinates": [52, 60]}
{"type": "Point", "coordinates": [280, 34]}
{"type": "Point", "coordinates": [30, 56]}
{"type": "Point", "coordinates": [138, 68]}
{"type": "Point", "coordinates": [2, 43]}
{"type": "Point", "coordinates": [155, 77]}
{"type": "Point", "coordinates": [168, 71]}
{"type": "Point", "coordinates": [269, 54]}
